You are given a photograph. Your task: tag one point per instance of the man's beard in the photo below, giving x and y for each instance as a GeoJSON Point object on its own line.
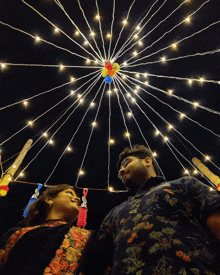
{"type": "Point", "coordinates": [131, 186]}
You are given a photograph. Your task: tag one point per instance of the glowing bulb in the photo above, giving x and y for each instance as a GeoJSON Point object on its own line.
{"type": "Point", "coordinates": [88, 61]}
{"type": "Point", "coordinates": [170, 92]}
{"type": "Point", "coordinates": [21, 174]}
{"type": "Point", "coordinates": [3, 65]}
{"type": "Point", "coordinates": [138, 28]}
{"type": "Point", "coordinates": [124, 76]}
{"type": "Point", "coordinates": [96, 61]}
{"type": "Point", "coordinates": [30, 122]}
{"type": "Point", "coordinates": [79, 95]}
{"type": "Point", "coordinates": [207, 158]}
{"type": "Point", "coordinates": [81, 172]}
{"type": "Point", "coordinates": [61, 67]}
{"type": "Point", "coordinates": [146, 82]}
{"type": "Point", "coordinates": [190, 81]}
{"type": "Point", "coordinates": [201, 79]}
{"type": "Point", "coordinates": [86, 42]}
{"type": "Point", "coordinates": [45, 134]}
{"type": "Point", "coordinates": [182, 115]}
{"type": "Point", "coordinates": [111, 189]}
{"type": "Point", "coordinates": [111, 141]}
{"type": "Point", "coordinates": [81, 100]}
{"type": "Point", "coordinates": [25, 102]}
{"type": "Point", "coordinates": [129, 114]}
{"type": "Point", "coordinates": [163, 59]}
{"type": "Point", "coordinates": [109, 92]}
{"type": "Point", "coordinates": [127, 134]}
{"type": "Point", "coordinates": [135, 36]}
{"type": "Point", "coordinates": [51, 141]}
{"type": "Point", "coordinates": [170, 127]}
{"type": "Point", "coordinates": [77, 33]}
{"type": "Point", "coordinates": [154, 154]}
{"type": "Point", "coordinates": [133, 99]}
{"type": "Point", "coordinates": [195, 172]}
{"type": "Point", "coordinates": [135, 53]}
{"type": "Point", "coordinates": [94, 123]}
{"type": "Point", "coordinates": [128, 95]}
{"type": "Point", "coordinates": [72, 79]}
{"type": "Point", "coordinates": [174, 45]}
{"type": "Point", "coordinates": [108, 35]}
{"type": "Point", "coordinates": [115, 89]}
{"type": "Point", "coordinates": [125, 64]}
{"type": "Point", "coordinates": [14, 166]}
{"type": "Point", "coordinates": [9, 179]}
{"type": "Point", "coordinates": [135, 91]}
{"type": "Point", "coordinates": [140, 43]}
{"type": "Point", "coordinates": [166, 138]}
{"type": "Point", "coordinates": [137, 75]}
{"type": "Point", "coordinates": [188, 19]}
{"type": "Point", "coordinates": [92, 34]}
{"type": "Point", "coordinates": [157, 132]}
{"type": "Point", "coordinates": [68, 148]}
{"type": "Point", "coordinates": [125, 22]}
{"type": "Point", "coordinates": [186, 171]}
{"type": "Point", "coordinates": [37, 38]}
{"type": "Point", "coordinates": [196, 104]}
{"type": "Point", "coordinates": [145, 74]}
{"type": "Point", "coordinates": [97, 17]}
{"type": "Point", "coordinates": [56, 30]}
{"type": "Point", "coordinates": [92, 104]}
{"type": "Point", "coordinates": [72, 92]}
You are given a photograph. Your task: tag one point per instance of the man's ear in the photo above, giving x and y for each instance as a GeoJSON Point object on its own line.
{"type": "Point", "coordinates": [48, 200]}
{"type": "Point", "coordinates": [148, 161]}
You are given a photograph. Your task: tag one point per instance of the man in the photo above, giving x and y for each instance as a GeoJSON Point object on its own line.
{"type": "Point", "coordinates": [166, 227]}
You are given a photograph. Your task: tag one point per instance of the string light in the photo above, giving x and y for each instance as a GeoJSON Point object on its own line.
{"type": "Point", "coordinates": [92, 104]}
{"type": "Point", "coordinates": [108, 35]}
{"type": "Point", "coordinates": [77, 33]}
{"type": "Point", "coordinates": [21, 174]}
{"type": "Point", "coordinates": [135, 53]}
{"type": "Point", "coordinates": [56, 30]}
{"type": "Point", "coordinates": [166, 138]}
{"type": "Point", "coordinates": [188, 19]}
{"type": "Point", "coordinates": [111, 141]}
{"type": "Point", "coordinates": [37, 38]}
{"type": "Point", "coordinates": [61, 67]}
{"type": "Point", "coordinates": [182, 115]}
{"type": "Point", "coordinates": [201, 79]}
{"type": "Point", "coordinates": [196, 104]}
{"type": "Point", "coordinates": [170, 127]}
{"type": "Point", "coordinates": [25, 102]}
{"type": "Point", "coordinates": [69, 149]}
{"type": "Point", "coordinates": [154, 154]}
{"type": "Point", "coordinates": [195, 172]}
{"type": "Point", "coordinates": [86, 42]}
{"type": "Point", "coordinates": [72, 92]}
{"type": "Point", "coordinates": [30, 123]}
{"type": "Point", "coordinates": [14, 166]}
{"type": "Point", "coordinates": [97, 16]}
{"type": "Point", "coordinates": [51, 141]}
{"type": "Point", "coordinates": [125, 64]}
{"type": "Point", "coordinates": [88, 61]}
{"type": "Point", "coordinates": [3, 66]}
{"type": "Point", "coordinates": [81, 100]}
{"type": "Point", "coordinates": [157, 132]}
{"type": "Point", "coordinates": [207, 158]}
{"type": "Point", "coordinates": [135, 91]}
{"type": "Point", "coordinates": [111, 189]}
{"type": "Point", "coordinates": [163, 59]}
{"type": "Point", "coordinates": [72, 79]}
{"type": "Point", "coordinates": [137, 75]}
{"type": "Point", "coordinates": [138, 28]}
{"type": "Point", "coordinates": [136, 36]}
{"type": "Point", "coordinates": [140, 43]}
{"type": "Point", "coordinates": [146, 82]}
{"type": "Point", "coordinates": [45, 134]}
{"type": "Point", "coordinates": [170, 92]}
{"type": "Point", "coordinates": [81, 172]}
{"type": "Point", "coordinates": [186, 171]}
{"type": "Point", "coordinates": [129, 114]}
{"type": "Point", "coordinates": [79, 95]}
{"type": "Point", "coordinates": [127, 134]}
{"type": "Point", "coordinates": [174, 46]}
{"type": "Point", "coordinates": [94, 123]}
{"type": "Point", "coordinates": [190, 81]}
{"type": "Point", "coordinates": [125, 22]}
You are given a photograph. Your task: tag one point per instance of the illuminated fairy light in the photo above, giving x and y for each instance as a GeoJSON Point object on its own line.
{"type": "Point", "coordinates": [30, 122]}
{"type": "Point", "coordinates": [166, 138]}
{"type": "Point", "coordinates": [51, 142]}
{"type": "Point", "coordinates": [77, 33]}
{"type": "Point", "coordinates": [115, 89]}
{"type": "Point", "coordinates": [127, 134]}
{"type": "Point", "coordinates": [182, 115]}
{"type": "Point", "coordinates": [3, 66]}
{"type": "Point", "coordinates": [170, 127]}
{"type": "Point", "coordinates": [97, 17]}
{"type": "Point", "coordinates": [129, 114]}
{"type": "Point", "coordinates": [190, 81]}
{"type": "Point", "coordinates": [86, 42]}
{"type": "Point", "coordinates": [45, 134]}
{"type": "Point", "coordinates": [94, 123]}
{"type": "Point", "coordinates": [108, 35]}
{"type": "Point", "coordinates": [135, 53]}
{"type": "Point", "coordinates": [69, 149]}
{"type": "Point", "coordinates": [125, 64]}
{"type": "Point", "coordinates": [111, 189]}
{"type": "Point", "coordinates": [61, 67]}
{"type": "Point", "coordinates": [88, 61]}
{"type": "Point", "coordinates": [136, 36]}
{"type": "Point", "coordinates": [154, 154]}
{"type": "Point", "coordinates": [186, 171]}
{"type": "Point", "coordinates": [145, 75]}
{"type": "Point", "coordinates": [96, 61]}
{"type": "Point", "coordinates": [81, 172]}
{"type": "Point", "coordinates": [196, 104]}
{"type": "Point", "coordinates": [72, 92]}
{"type": "Point", "coordinates": [111, 141]}
{"type": "Point", "coordinates": [92, 34]}
{"type": "Point", "coordinates": [201, 79]}
{"type": "Point", "coordinates": [163, 59]}
{"type": "Point", "coordinates": [14, 166]}
{"type": "Point", "coordinates": [138, 28]}
{"type": "Point", "coordinates": [157, 132]}
{"type": "Point", "coordinates": [125, 22]}
{"type": "Point", "coordinates": [21, 174]}
{"type": "Point", "coordinates": [174, 46]}
{"type": "Point", "coordinates": [25, 102]}
{"type": "Point", "coordinates": [188, 19]}
{"type": "Point", "coordinates": [140, 43]}
{"type": "Point", "coordinates": [92, 104]}
{"type": "Point", "coordinates": [79, 95]}
{"type": "Point", "coordinates": [37, 39]}
{"type": "Point", "coordinates": [207, 158]}
{"type": "Point", "coordinates": [56, 30]}
{"type": "Point", "coordinates": [195, 172]}
{"type": "Point", "coordinates": [72, 79]}
{"type": "Point", "coordinates": [135, 91]}
{"type": "Point", "coordinates": [146, 82]}
{"type": "Point", "coordinates": [81, 100]}
{"type": "Point", "coordinates": [137, 75]}
{"type": "Point", "coordinates": [124, 76]}
{"type": "Point", "coordinates": [170, 92]}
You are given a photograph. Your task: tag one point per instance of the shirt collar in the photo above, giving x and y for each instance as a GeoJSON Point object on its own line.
{"type": "Point", "coordinates": [151, 182]}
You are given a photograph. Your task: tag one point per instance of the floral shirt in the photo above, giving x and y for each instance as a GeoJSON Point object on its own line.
{"type": "Point", "coordinates": [52, 248]}
{"type": "Point", "coordinates": [162, 230]}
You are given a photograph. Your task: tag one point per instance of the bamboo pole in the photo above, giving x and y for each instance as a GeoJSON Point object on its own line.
{"type": "Point", "coordinates": [205, 171]}
{"type": "Point", "coordinates": [8, 177]}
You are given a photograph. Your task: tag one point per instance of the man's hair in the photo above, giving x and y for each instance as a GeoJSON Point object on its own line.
{"type": "Point", "coordinates": [139, 151]}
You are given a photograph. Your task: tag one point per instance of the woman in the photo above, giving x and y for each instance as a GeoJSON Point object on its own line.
{"type": "Point", "coordinates": [48, 243]}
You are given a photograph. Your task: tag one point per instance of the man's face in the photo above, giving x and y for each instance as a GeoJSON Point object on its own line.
{"type": "Point", "coordinates": [133, 171]}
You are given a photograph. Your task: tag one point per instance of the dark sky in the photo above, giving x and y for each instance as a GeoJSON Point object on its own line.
{"type": "Point", "coordinates": [21, 82]}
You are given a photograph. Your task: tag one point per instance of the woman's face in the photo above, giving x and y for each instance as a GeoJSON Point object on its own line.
{"type": "Point", "coordinates": [66, 205]}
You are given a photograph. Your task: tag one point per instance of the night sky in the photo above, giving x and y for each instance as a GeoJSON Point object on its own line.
{"type": "Point", "coordinates": [153, 109]}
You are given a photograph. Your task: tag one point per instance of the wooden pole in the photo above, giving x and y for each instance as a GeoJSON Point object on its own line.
{"type": "Point", "coordinates": [8, 177]}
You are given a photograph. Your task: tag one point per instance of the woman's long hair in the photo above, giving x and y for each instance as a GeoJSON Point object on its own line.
{"type": "Point", "coordinates": [38, 210]}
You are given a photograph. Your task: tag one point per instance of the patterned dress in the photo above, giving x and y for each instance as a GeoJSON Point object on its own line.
{"type": "Point", "coordinates": [52, 248]}
{"type": "Point", "coordinates": [162, 230]}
